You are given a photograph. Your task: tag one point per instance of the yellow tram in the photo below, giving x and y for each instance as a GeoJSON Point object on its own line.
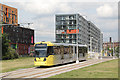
{"type": "Point", "coordinates": [49, 54]}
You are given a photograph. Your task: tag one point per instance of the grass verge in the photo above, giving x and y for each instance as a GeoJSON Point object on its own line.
{"type": "Point", "coordinates": [107, 69]}
{"type": "Point", "coordinates": [22, 62]}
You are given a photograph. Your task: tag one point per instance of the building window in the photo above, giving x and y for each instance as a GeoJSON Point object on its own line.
{"type": "Point", "coordinates": [15, 17]}
{"type": "Point", "coordinates": [1, 7]}
{"type": "Point", "coordinates": [9, 15]}
{"type": "Point", "coordinates": [2, 19]}
{"type": "Point", "coordinates": [1, 13]}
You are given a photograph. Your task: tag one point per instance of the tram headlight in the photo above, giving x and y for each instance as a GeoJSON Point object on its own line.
{"type": "Point", "coordinates": [35, 59]}
{"type": "Point", "coordinates": [44, 59]}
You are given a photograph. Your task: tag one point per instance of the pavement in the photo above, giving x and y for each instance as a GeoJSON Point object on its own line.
{"type": "Point", "coordinates": [45, 72]}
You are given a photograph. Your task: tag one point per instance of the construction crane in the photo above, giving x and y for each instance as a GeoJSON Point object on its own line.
{"type": "Point", "coordinates": [27, 24]}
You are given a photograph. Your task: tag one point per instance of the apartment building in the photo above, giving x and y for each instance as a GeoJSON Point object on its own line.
{"type": "Point", "coordinates": [8, 15]}
{"type": "Point", "coordinates": [73, 28]}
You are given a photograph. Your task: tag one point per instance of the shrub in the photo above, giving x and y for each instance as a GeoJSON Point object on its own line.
{"type": "Point", "coordinates": [5, 44]}
{"type": "Point", "coordinates": [11, 54]}
{"type": "Point", "coordinates": [117, 54]}
{"type": "Point", "coordinates": [16, 55]}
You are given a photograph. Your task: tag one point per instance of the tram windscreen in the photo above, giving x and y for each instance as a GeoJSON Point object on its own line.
{"type": "Point", "coordinates": [40, 50]}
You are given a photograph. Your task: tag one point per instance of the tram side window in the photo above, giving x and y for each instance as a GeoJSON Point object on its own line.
{"type": "Point", "coordinates": [80, 50]}
{"type": "Point", "coordinates": [75, 49]}
{"type": "Point", "coordinates": [71, 49]}
{"type": "Point", "coordinates": [56, 50]}
{"type": "Point", "coordinates": [50, 50]}
{"type": "Point", "coordinates": [65, 50]}
{"type": "Point", "coordinates": [62, 50]}
{"type": "Point", "coordinates": [84, 51]}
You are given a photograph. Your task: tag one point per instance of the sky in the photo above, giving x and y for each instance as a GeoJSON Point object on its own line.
{"type": "Point", "coordinates": [104, 14]}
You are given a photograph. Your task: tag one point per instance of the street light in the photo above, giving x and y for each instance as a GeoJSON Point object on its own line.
{"type": "Point", "coordinates": [113, 51]}
{"type": "Point", "coordinates": [91, 43]}
{"type": "Point", "coordinates": [77, 60]}
{"type": "Point", "coordinates": [96, 47]}
{"type": "Point", "coordinates": [105, 48]}
{"type": "Point", "coordinates": [91, 46]}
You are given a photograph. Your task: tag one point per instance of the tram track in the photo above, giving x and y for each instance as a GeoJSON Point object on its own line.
{"type": "Point", "coordinates": [38, 70]}
{"type": "Point", "coordinates": [47, 72]}
{"type": "Point", "coordinates": [17, 72]}
{"type": "Point", "coordinates": [63, 70]}
{"type": "Point", "coordinates": [50, 70]}
{"type": "Point", "coordinates": [60, 70]}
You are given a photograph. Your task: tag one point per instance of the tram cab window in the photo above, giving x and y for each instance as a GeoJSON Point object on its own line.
{"type": "Point", "coordinates": [36, 53]}
{"type": "Point", "coordinates": [50, 50]}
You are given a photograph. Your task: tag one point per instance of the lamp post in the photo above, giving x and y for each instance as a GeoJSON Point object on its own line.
{"type": "Point", "coordinates": [96, 47]}
{"type": "Point", "coordinates": [113, 51]}
{"type": "Point", "coordinates": [101, 45]}
{"type": "Point", "coordinates": [91, 46]}
{"type": "Point", "coordinates": [105, 46]}
{"type": "Point", "coordinates": [77, 60]}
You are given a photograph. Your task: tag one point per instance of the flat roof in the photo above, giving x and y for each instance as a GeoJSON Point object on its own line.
{"type": "Point", "coordinates": [64, 14]}
{"type": "Point", "coordinates": [65, 44]}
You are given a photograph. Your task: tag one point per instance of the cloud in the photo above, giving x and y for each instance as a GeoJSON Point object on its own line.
{"type": "Point", "coordinates": [60, 0]}
{"type": "Point", "coordinates": [108, 11]}
{"type": "Point", "coordinates": [64, 7]}
{"type": "Point", "coordinates": [108, 25]}
{"type": "Point", "coordinates": [42, 15]}
{"type": "Point", "coordinates": [107, 35]}
{"type": "Point", "coordinates": [41, 7]}
{"type": "Point", "coordinates": [105, 11]}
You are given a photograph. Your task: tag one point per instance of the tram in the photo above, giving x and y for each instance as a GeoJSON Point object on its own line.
{"type": "Point", "coordinates": [49, 54]}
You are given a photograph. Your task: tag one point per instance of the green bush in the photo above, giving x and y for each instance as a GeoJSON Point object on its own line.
{"type": "Point", "coordinates": [16, 55]}
{"type": "Point", "coordinates": [117, 54]}
{"type": "Point", "coordinates": [11, 54]}
{"type": "Point", "coordinates": [7, 52]}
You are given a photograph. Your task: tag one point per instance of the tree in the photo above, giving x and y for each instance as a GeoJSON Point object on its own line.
{"type": "Point", "coordinates": [7, 51]}
{"type": "Point", "coordinates": [117, 51]}
{"type": "Point", "coordinates": [5, 44]}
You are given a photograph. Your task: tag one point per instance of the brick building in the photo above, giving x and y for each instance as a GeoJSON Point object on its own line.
{"type": "Point", "coordinates": [108, 47]}
{"type": "Point", "coordinates": [110, 44]}
{"type": "Point", "coordinates": [21, 38]}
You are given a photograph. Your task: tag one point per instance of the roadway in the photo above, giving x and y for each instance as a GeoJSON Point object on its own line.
{"type": "Point", "coordinates": [45, 72]}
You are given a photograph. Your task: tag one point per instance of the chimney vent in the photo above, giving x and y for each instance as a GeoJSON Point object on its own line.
{"type": "Point", "coordinates": [110, 39]}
